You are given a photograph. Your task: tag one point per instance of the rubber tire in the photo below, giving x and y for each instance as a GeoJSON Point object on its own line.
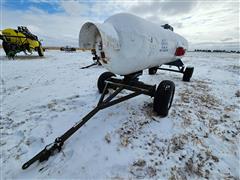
{"type": "Point", "coordinates": [40, 51]}
{"type": "Point", "coordinates": [187, 74]}
{"type": "Point", "coordinates": [152, 70]}
{"type": "Point", "coordinates": [101, 81]}
{"type": "Point", "coordinates": [6, 47]}
{"type": "Point", "coordinates": [163, 98]}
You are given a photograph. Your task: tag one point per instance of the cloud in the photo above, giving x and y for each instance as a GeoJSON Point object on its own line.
{"type": "Point", "coordinates": [75, 8]}
{"type": "Point", "coordinates": [173, 7]}
{"type": "Point", "coordinates": [42, 1]}
{"type": "Point", "coordinates": [168, 7]}
{"type": "Point", "coordinates": [156, 20]}
{"type": "Point", "coordinates": [103, 10]}
{"type": "Point", "coordinates": [178, 25]}
{"type": "Point", "coordinates": [227, 39]}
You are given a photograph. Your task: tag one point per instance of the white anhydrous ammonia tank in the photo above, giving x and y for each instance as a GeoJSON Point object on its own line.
{"type": "Point", "coordinates": [126, 43]}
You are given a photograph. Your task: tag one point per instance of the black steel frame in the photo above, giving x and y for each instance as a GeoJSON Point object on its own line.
{"type": "Point", "coordinates": [180, 69]}
{"type": "Point", "coordinates": [130, 83]}
{"type": "Point", "coordinates": [178, 63]}
{"type": "Point", "coordinates": [95, 59]}
{"type": "Point", "coordinates": [88, 66]}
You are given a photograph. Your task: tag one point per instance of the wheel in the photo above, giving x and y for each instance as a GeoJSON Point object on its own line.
{"type": "Point", "coordinates": [40, 51]}
{"type": "Point", "coordinates": [10, 49]}
{"type": "Point", "coordinates": [101, 80]}
{"type": "Point", "coordinates": [187, 74]}
{"type": "Point", "coordinates": [163, 97]}
{"type": "Point", "coordinates": [6, 47]}
{"type": "Point", "coordinates": [152, 70]}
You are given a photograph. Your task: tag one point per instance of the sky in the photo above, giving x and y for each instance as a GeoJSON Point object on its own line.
{"type": "Point", "coordinates": [206, 24]}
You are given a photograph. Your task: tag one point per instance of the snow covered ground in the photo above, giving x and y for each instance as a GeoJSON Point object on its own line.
{"type": "Point", "coordinates": [41, 98]}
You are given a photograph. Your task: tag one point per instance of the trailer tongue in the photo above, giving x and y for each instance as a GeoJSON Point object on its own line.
{"type": "Point", "coordinates": [163, 97]}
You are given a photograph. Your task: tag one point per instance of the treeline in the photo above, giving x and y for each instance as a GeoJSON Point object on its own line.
{"type": "Point", "coordinates": [216, 50]}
